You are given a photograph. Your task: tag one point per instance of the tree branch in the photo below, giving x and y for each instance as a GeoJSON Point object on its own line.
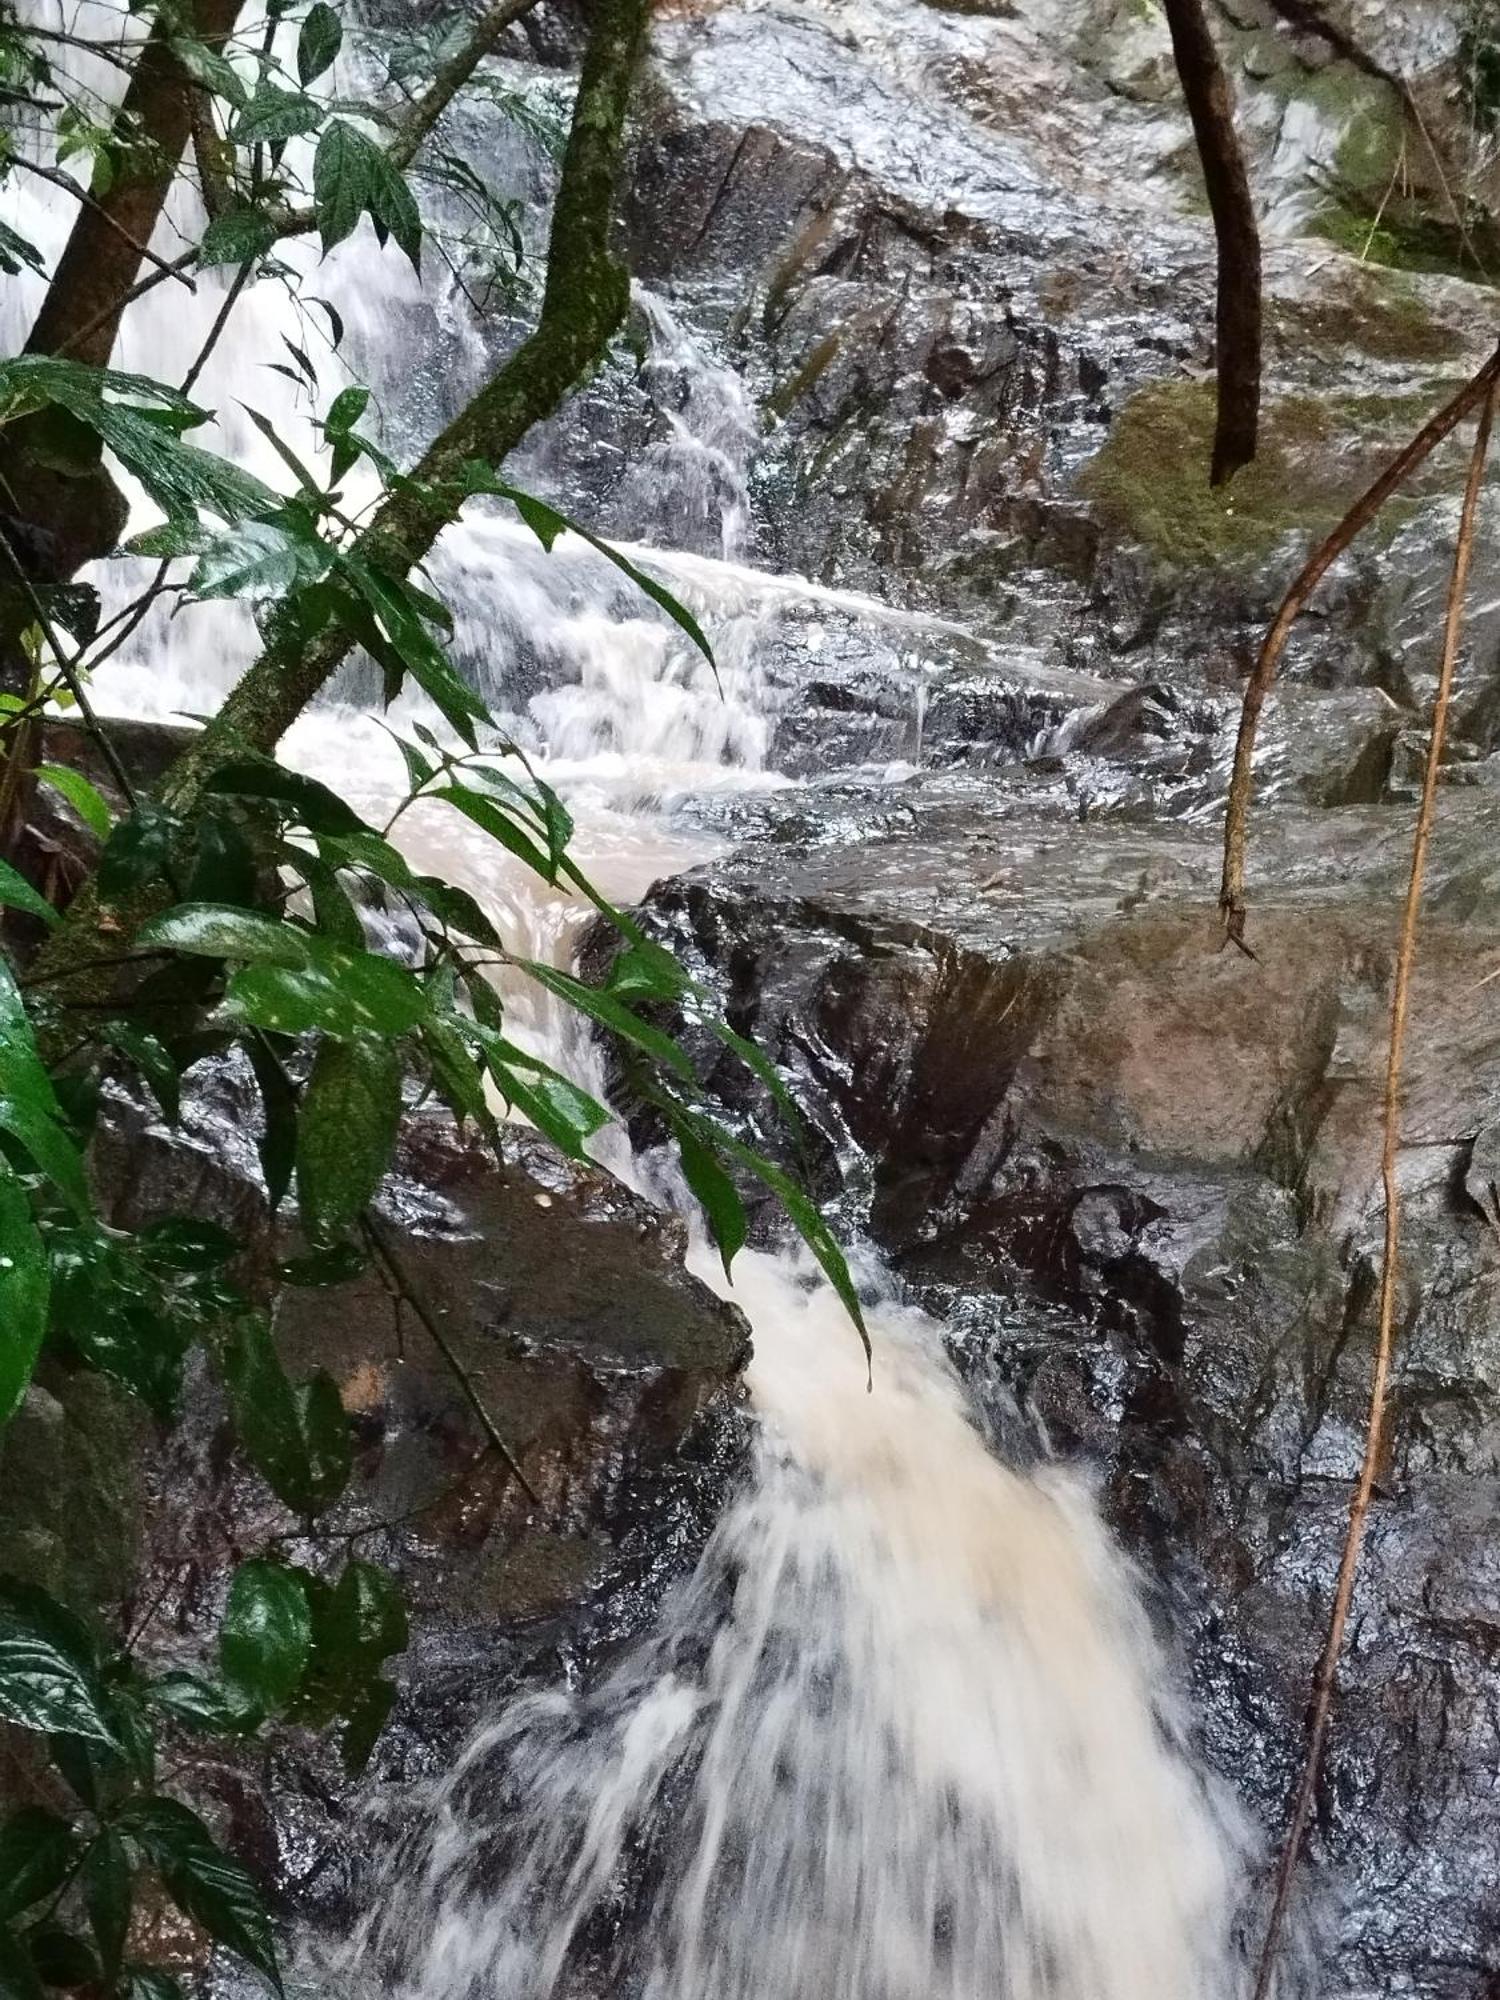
{"type": "Point", "coordinates": [1238, 361]}
{"type": "Point", "coordinates": [584, 301]}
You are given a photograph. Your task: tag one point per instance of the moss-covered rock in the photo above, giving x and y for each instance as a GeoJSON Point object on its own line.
{"type": "Point", "coordinates": [1150, 483]}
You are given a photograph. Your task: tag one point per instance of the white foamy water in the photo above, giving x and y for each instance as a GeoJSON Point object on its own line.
{"type": "Point", "coordinates": [903, 1737]}
{"type": "Point", "coordinates": [906, 1733]}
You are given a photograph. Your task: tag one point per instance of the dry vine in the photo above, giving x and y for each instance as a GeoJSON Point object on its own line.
{"type": "Point", "coordinates": [1323, 1687]}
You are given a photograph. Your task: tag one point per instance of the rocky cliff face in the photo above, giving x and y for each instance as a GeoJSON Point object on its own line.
{"type": "Point", "coordinates": [958, 252]}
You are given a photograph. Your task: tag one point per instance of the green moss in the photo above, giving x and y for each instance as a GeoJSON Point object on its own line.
{"type": "Point", "coordinates": [1150, 482]}
{"type": "Point", "coordinates": [1409, 237]}
{"type": "Point", "coordinates": [1375, 312]}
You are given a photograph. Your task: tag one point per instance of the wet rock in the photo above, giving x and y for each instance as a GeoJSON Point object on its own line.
{"type": "Point", "coordinates": [1139, 1175]}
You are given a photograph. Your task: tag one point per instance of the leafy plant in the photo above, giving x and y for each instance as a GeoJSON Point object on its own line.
{"type": "Point", "coordinates": [237, 912]}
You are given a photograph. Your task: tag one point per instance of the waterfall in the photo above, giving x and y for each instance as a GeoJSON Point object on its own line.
{"type": "Point", "coordinates": [902, 1737]}
{"type": "Point", "coordinates": [906, 1733]}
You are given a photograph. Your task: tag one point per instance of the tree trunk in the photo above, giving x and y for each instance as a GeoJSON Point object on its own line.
{"type": "Point", "coordinates": [1210, 106]}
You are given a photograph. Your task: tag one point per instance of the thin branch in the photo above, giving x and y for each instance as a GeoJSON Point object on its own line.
{"type": "Point", "coordinates": [452, 77]}
{"type": "Point", "coordinates": [1238, 358]}
{"type": "Point", "coordinates": [1241, 784]}
{"type": "Point", "coordinates": [221, 320]}
{"type": "Point", "coordinates": [409, 1297]}
{"type": "Point", "coordinates": [81, 194]}
{"type": "Point", "coordinates": [1390, 1149]}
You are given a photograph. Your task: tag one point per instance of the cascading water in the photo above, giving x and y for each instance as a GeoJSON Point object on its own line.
{"type": "Point", "coordinates": [905, 1734]}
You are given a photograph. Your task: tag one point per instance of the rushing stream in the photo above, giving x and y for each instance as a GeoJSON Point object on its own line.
{"type": "Point", "coordinates": [906, 1734]}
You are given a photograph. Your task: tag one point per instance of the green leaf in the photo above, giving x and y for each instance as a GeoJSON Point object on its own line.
{"type": "Point", "coordinates": [714, 1192]}
{"type": "Point", "coordinates": [257, 560]}
{"type": "Point", "coordinates": [22, 1074]}
{"type": "Point", "coordinates": [457, 910]}
{"type": "Point", "coordinates": [456, 1076]}
{"type": "Point", "coordinates": [209, 67]}
{"type": "Point", "coordinates": [266, 1638]}
{"type": "Point", "coordinates": [25, 1290]}
{"type": "Point", "coordinates": [139, 852]}
{"type": "Point", "coordinates": [84, 798]}
{"type": "Point", "coordinates": [308, 803]}
{"type": "Point", "coordinates": [277, 1144]}
{"type": "Point", "coordinates": [49, 1146]}
{"type": "Point", "coordinates": [371, 852]}
{"type": "Point", "coordinates": [401, 631]}
{"type": "Point", "coordinates": [238, 236]}
{"type": "Point", "coordinates": [18, 1974]}
{"type": "Point", "coordinates": [219, 930]}
{"type": "Point", "coordinates": [809, 1225]}
{"type": "Point", "coordinates": [500, 824]}
{"type": "Point", "coordinates": [37, 1853]}
{"type": "Point", "coordinates": [152, 1058]}
{"type": "Point", "coordinates": [17, 252]}
{"type": "Point", "coordinates": [602, 1006]}
{"type": "Point", "coordinates": [149, 1982]}
{"type": "Point", "coordinates": [298, 1438]}
{"type": "Point", "coordinates": [211, 1887]}
{"type": "Point", "coordinates": [342, 992]}
{"type": "Point", "coordinates": [46, 1682]}
{"type": "Point", "coordinates": [345, 411]}
{"type": "Point", "coordinates": [364, 1621]}
{"type": "Point", "coordinates": [274, 114]}
{"type": "Point", "coordinates": [351, 1113]}
{"type": "Point", "coordinates": [365, 1717]}
{"type": "Point", "coordinates": [16, 893]}
{"type": "Point", "coordinates": [353, 177]}
{"type": "Point", "coordinates": [108, 1891]}
{"type": "Point", "coordinates": [319, 42]}
{"type": "Point", "coordinates": [138, 420]}
{"type": "Point", "coordinates": [205, 1705]}
{"type": "Point", "coordinates": [62, 1959]}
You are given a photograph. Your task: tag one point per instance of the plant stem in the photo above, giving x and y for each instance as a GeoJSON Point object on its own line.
{"type": "Point", "coordinates": [1323, 1688]}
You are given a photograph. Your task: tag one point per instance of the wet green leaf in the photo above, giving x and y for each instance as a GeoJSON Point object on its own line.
{"type": "Point", "coordinates": [351, 1113]}
{"type": "Point", "coordinates": [219, 930]}
{"type": "Point", "coordinates": [266, 1638]}
{"type": "Point", "coordinates": [107, 1882]}
{"type": "Point", "coordinates": [342, 992]}
{"type": "Point", "coordinates": [16, 893]}
{"type": "Point", "coordinates": [205, 1882]}
{"type": "Point", "coordinates": [37, 1854]}
{"type": "Point", "coordinates": [319, 42]}
{"type": "Point", "coordinates": [85, 798]}
{"type": "Point", "coordinates": [25, 1290]}
{"type": "Point", "coordinates": [297, 1437]}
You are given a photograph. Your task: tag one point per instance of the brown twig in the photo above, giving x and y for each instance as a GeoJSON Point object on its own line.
{"type": "Point", "coordinates": [1241, 783]}
{"type": "Point", "coordinates": [1210, 105]}
{"type": "Point", "coordinates": [1323, 1686]}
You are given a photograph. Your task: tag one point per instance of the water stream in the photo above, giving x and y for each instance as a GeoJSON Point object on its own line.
{"type": "Point", "coordinates": [906, 1734]}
